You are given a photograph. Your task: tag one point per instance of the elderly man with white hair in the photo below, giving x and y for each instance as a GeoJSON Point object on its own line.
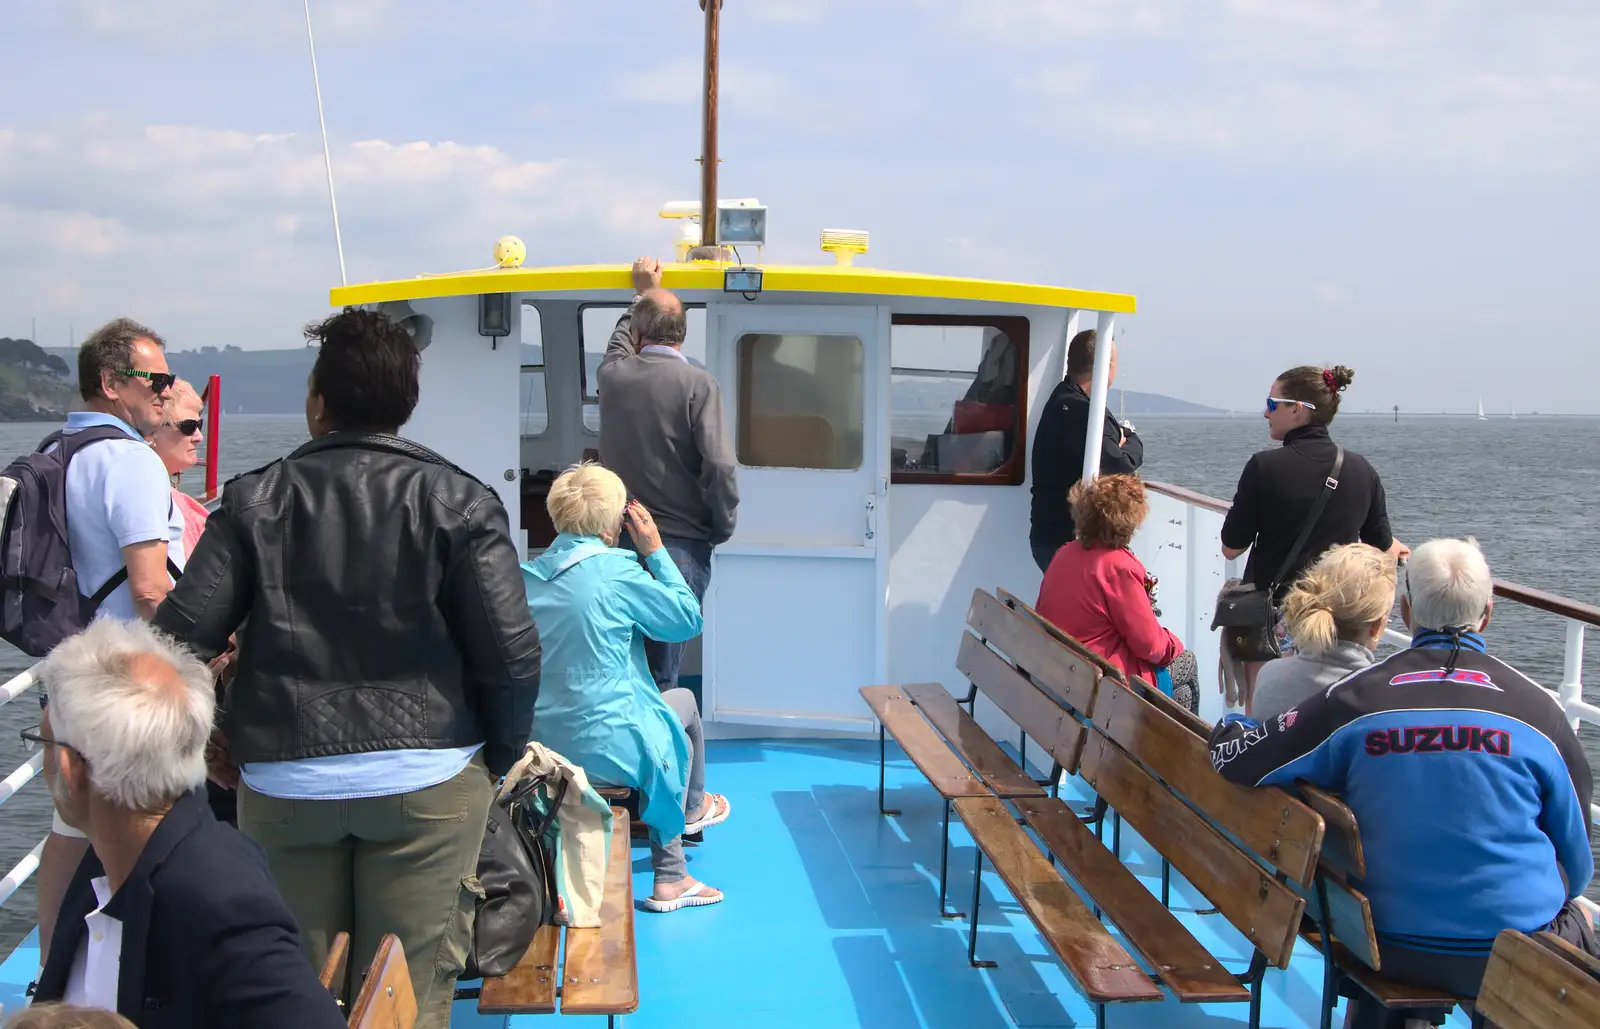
{"type": "Point", "coordinates": [1465, 776]}
{"type": "Point", "coordinates": [172, 918]}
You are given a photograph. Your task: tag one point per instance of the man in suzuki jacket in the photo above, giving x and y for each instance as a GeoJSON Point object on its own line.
{"type": "Point", "coordinates": [1468, 782]}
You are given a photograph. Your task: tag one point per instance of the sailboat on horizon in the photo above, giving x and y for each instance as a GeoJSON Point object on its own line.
{"type": "Point", "coordinates": [1481, 416]}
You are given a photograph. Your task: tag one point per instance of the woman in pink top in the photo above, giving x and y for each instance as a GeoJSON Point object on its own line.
{"type": "Point", "coordinates": [178, 444]}
{"type": "Point", "coordinates": [1097, 592]}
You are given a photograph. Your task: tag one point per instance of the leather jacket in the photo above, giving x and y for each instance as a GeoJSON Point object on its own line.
{"type": "Point", "coordinates": [378, 601]}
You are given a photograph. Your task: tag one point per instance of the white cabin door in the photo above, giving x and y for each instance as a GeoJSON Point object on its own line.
{"type": "Point", "coordinates": [797, 607]}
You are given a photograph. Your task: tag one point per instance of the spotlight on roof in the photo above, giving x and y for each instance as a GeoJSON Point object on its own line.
{"type": "Point", "coordinates": [844, 245]}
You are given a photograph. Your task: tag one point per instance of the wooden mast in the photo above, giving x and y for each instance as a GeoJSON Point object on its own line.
{"type": "Point", "coordinates": [708, 130]}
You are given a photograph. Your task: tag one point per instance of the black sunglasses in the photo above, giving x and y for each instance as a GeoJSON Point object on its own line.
{"type": "Point", "coordinates": [187, 427]}
{"type": "Point", "coordinates": [33, 737]}
{"type": "Point", "coordinates": [160, 382]}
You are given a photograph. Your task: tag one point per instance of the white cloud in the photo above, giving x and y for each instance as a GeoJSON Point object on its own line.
{"type": "Point", "coordinates": [176, 23]}
{"type": "Point", "coordinates": [225, 236]}
{"type": "Point", "coordinates": [1410, 82]}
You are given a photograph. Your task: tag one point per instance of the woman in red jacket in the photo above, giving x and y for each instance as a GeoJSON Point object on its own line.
{"type": "Point", "coordinates": [1097, 592]}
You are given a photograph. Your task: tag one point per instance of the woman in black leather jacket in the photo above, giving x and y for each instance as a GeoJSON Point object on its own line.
{"type": "Point", "coordinates": [387, 666]}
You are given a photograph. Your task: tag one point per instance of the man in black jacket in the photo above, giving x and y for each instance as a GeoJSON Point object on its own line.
{"type": "Point", "coordinates": [172, 919]}
{"type": "Point", "coordinates": [388, 665]}
{"type": "Point", "coordinates": [1058, 445]}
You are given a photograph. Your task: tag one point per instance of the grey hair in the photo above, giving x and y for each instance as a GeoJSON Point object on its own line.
{"type": "Point", "coordinates": [659, 324]}
{"type": "Point", "coordinates": [1448, 585]}
{"type": "Point", "coordinates": [145, 744]}
{"type": "Point", "coordinates": [109, 349]}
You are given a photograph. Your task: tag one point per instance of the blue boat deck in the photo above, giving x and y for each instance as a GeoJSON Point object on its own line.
{"type": "Point", "coordinates": [831, 920]}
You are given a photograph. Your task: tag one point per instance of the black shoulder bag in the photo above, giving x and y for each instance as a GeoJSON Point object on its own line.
{"type": "Point", "coordinates": [1247, 616]}
{"type": "Point", "coordinates": [517, 868]}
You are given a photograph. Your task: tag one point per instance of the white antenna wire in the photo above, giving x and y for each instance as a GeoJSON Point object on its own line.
{"type": "Point", "coordinates": [327, 156]}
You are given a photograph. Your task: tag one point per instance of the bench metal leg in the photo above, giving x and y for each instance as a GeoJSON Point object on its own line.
{"type": "Point", "coordinates": [1116, 835]}
{"type": "Point", "coordinates": [1330, 970]}
{"type": "Point", "coordinates": [1166, 887]}
{"type": "Point", "coordinates": [883, 761]}
{"type": "Point", "coordinates": [944, 863]}
{"type": "Point", "coordinates": [1099, 1016]}
{"type": "Point", "coordinates": [1252, 979]}
{"type": "Point", "coordinates": [972, 919]}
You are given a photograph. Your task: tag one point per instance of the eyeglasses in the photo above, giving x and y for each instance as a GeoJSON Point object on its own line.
{"type": "Point", "coordinates": [1273, 402]}
{"type": "Point", "coordinates": [187, 427]}
{"type": "Point", "coordinates": [34, 739]}
{"type": "Point", "coordinates": [160, 382]}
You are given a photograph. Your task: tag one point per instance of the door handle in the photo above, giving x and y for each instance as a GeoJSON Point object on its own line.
{"type": "Point", "coordinates": [872, 517]}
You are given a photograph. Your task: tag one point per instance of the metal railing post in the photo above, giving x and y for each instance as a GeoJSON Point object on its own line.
{"type": "Point", "coordinates": [1572, 671]}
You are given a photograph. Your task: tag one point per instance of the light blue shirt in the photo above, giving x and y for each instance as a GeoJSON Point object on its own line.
{"type": "Point", "coordinates": [382, 773]}
{"type": "Point", "coordinates": [662, 348]}
{"type": "Point", "coordinates": [118, 494]}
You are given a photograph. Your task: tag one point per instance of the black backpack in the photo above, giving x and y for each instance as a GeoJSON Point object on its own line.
{"type": "Point", "coordinates": [40, 600]}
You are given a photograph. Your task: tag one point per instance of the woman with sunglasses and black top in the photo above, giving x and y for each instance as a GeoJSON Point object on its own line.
{"type": "Point", "coordinates": [1278, 489]}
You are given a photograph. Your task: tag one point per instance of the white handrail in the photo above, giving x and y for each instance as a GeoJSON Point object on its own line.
{"type": "Point", "coordinates": [18, 685]}
{"type": "Point", "coordinates": [19, 778]}
{"type": "Point", "coordinates": [20, 872]}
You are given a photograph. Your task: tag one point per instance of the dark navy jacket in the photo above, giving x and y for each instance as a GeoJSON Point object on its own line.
{"type": "Point", "coordinates": [207, 941]}
{"type": "Point", "coordinates": [1465, 777]}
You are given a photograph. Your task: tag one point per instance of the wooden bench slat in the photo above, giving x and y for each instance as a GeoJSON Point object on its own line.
{"type": "Point", "coordinates": [600, 975]}
{"type": "Point", "coordinates": [1392, 994]}
{"type": "Point", "coordinates": [1052, 726]}
{"type": "Point", "coordinates": [1341, 843]}
{"type": "Point", "coordinates": [1003, 776]}
{"type": "Point", "coordinates": [932, 755]}
{"type": "Point", "coordinates": [1188, 969]}
{"type": "Point", "coordinates": [1351, 915]}
{"type": "Point", "coordinates": [1588, 963]}
{"type": "Point", "coordinates": [529, 988]}
{"type": "Point", "coordinates": [1258, 905]}
{"type": "Point", "coordinates": [336, 967]}
{"type": "Point", "coordinates": [1274, 824]}
{"type": "Point", "coordinates": [1066, 676]}
{"type": "Point", "coordinates": [386, 1000]}
{"type": "Point", "coordinates": [1093, 958]}
{"type": "Point", "coordinates": [1529, 985]}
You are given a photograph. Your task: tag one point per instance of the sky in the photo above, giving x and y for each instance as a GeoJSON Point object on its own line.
{"type": "Point", "coordinates": [1407, 188]}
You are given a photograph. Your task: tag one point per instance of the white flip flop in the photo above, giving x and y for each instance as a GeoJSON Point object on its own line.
{"type": "Point", "coordinates": [693, 897]}
{"type": "Point", "coordinates": [720, 809]}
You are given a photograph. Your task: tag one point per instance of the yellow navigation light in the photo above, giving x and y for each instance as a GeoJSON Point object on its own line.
{"type": "Point", "coordinates": [509, 252]}
{"type": "Point", "coordinates": [844, 245]}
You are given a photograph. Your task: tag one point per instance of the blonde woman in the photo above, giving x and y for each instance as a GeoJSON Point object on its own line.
{"type": "Point", "coordinates": [1336, 613]}
{"type": "Point", "coordinates": [599, 707]}
{"type": "Point", "coordinates": [177, 440]}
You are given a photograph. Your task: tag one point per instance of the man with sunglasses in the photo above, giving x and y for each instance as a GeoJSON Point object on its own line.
{"type": "Point", "coordinates": [121, 521]}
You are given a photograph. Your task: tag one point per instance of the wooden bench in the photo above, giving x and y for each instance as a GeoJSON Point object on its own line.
{"type": "Point", "coordinates": [1242, 849]}
{"type": "Point", "coordinates": [598, 974]}
{"type": "Point", "coordinates": [1539, 982]}
{"type": "Point", "coordinates": [386, 1000]}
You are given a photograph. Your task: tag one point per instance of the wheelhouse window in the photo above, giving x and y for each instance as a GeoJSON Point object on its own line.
{"type": "Point", "coordinates": [597, 322]}
{"type": "Point", "coordinates": [957, 399]}
{"type": "Point", "coordinates": [534, 407]}
{"type": "Point", "coordinates": [801, 401]}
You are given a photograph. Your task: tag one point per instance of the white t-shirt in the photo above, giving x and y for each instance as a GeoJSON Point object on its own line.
{"type": "Point", "coordinates": [118, 494]}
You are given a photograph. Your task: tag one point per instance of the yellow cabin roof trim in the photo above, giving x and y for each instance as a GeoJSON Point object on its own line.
{"type": "Point", "coordinates": [706, 276]}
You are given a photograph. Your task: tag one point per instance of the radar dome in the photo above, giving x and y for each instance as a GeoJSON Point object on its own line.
{"type": "Point", "coordinates": [509, 252]}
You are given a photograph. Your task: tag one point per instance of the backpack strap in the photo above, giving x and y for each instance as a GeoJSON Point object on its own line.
{"type": "Point", "coordinates": [120, 576]}
{"type": "Point", "coordinates": [1329, 484]}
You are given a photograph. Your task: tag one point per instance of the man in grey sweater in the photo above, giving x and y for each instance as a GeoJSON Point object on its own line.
{"type": "Point", "coordinates": [661, 431]}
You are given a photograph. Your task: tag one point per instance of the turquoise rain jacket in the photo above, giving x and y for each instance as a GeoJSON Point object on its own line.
{"type": "Point", "coordinates": [598, 706]}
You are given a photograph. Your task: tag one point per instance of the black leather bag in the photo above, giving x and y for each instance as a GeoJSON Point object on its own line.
{"type": "Point", "coordinates": [516, 866]}
{"type": "Point", "coordinates": [1247, 616]}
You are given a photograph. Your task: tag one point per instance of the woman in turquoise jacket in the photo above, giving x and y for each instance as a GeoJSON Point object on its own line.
{"type": "Point", "coordinates": [598, 706]}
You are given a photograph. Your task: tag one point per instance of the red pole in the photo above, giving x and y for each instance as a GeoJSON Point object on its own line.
{"type": "Point", "coordinates": [213, 402]}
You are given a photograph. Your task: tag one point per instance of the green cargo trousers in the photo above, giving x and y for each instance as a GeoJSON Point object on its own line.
{"type": "Point", "coordinates": [404, 864]}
